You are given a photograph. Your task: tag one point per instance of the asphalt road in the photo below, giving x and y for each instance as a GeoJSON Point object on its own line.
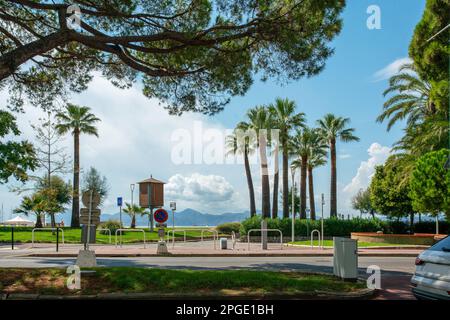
{"type": "Point", "coordinates": [395, 271]}
{"type": "Point", "coordinates": [389, 265]}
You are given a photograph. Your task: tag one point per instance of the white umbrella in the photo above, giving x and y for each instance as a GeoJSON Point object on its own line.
{"type": "Point", "coordinates": [18, 221]}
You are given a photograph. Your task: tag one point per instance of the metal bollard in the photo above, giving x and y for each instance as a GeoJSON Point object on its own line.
{"type": "Point", "coordinates": [57, 239]}
{"type": "Point", "coordinates": [12, 238]}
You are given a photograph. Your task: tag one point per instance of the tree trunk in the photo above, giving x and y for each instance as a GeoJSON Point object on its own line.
{"type": "Point", "coordinates": [303, 188]}
{"type": "Point", "coordinates": [10, 61]}
{"type": "Point", "coordinates": [133, 222]}
{"type": "Point", "coordinates": [251, 190]}
{"type": "Point", "coordinates": [52, 220]}
{"type": "Point", "coordinates": [333, 192]}
{"type": "Point", "coordinates": [276, 179]}
{"type": "Point", "coordinates": [285, 181]}
{"type": "Point", "coordinates": [265, 186]}
{"type": "Point", "coordinates": [38, 223]}
{"type": "Point", "coordinates": [312, 205]}
{"type": "Point", "coordinates": [75, 222]}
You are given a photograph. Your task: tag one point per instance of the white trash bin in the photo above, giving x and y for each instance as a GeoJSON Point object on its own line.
{"type": "Point", "coordinates": [345, 258]}
{"type": "Point", "coordinates": [223, 243]}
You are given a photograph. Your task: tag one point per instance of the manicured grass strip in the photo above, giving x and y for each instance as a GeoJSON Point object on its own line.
{"type": "Point", "coordinates": [128, 279]}
{"type": "Point", "coordinates": [73, 235]}
{"type": "Point", "coordinates": [329, 243]}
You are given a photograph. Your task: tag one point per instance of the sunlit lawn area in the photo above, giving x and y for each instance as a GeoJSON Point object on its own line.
{"type": "Point", "coordinates": [329, 243]}
{"type": "Point", "coordinates": [124, 279]}
{"type": "Point", "coordinates": [73, 235]}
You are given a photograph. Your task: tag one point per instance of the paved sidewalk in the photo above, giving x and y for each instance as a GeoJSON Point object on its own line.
{"type": "Point", "coordinates": [205, 248]}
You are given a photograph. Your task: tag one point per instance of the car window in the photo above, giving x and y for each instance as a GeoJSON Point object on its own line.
{"type": "Point", "coordinates": [442, 245]}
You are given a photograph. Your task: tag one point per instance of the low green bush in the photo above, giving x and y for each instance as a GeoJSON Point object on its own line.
{"type": "Point", "coordinates": [333, 227]}
{"type": "Point", "coordinates": [342, 228]}
{"type": "Point", "coordinates": [112, 225]}
{"type": "Point", "coordinates": [227, 228]}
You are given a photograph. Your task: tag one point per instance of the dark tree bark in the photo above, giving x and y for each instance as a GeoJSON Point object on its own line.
{"type": "Point", "coordinates": [312, 205]}
{"type": "Point", "coordinates": [133, 222]}
{"type": "Point", "coordinates": [276, 178]}
{"type": "Point", "coordinates": [285, 183]}
{"type": "Point", "coordinates": [251, 190]}
{"type": "Point", "coordinates": [265, 186]}
{"type": "Point", "coordinates": [38, 223]}
{"type": "Point", "coordinates": [303, 188]}
{"type": "Point", "coordinates": [333, 191]}
{"type": "Point", "coordinates": [75, 222]}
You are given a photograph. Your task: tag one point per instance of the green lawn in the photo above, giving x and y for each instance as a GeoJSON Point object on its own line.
{"type": "Point", "coordinates": [128, 279]}
{"type": "Point", "coordinates": [73, 235]}
{"type": "Point", "coordinates": [329, 243]}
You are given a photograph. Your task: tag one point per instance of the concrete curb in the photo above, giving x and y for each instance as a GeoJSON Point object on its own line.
{"type": "Point", "coordinates": [317, 295]}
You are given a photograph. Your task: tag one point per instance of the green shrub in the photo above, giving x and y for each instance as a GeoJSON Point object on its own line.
{"type": "Point", "coordinates": [341, 228]}
{"type": "Point", "coordinates": [333, 227]}
{"type": "Point", "coordinates": [112, 225]}
{"type": "Point", "coordinates": [227, 228]}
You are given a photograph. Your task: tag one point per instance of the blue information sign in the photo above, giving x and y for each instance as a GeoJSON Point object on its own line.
{"type": "Point", "coordinates": [119, 201]}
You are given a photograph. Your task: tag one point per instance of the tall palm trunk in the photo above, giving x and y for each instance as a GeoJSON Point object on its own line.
{"type": "Point", "coordinates": [303, 188]}
{"type": "Point", "coordinates": [251, 191]}
{"type": "Point", "coordinates": [265, 186]}
{"type": "Point", "coordinates": [276, 179]}
{"type": "Point", "coordinates": [285, 182]}
{"type": "Point", "coordinates": [133, 221]}
{"type": "Point", "coordinates": [38, 223]}
{"type": "Point", "coordinates": [333, 201]}
{"type": "Point", "coordinates": [75, 222]}
{"type": "Point", "coordinates": [312, 205]}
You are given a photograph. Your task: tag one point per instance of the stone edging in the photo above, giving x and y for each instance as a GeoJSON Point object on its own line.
{"type": "Point", "coordinates": [317, 295]}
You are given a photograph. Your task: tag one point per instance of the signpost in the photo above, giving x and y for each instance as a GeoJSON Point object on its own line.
{"type": "Point", "coordinates": [119, 204]}
{"type": "Point", "coordinates": [161, 216]}
{"type": "Point", "coordinates": [88, 216]}
{"type": "Point", "coordinates": [173, 207]}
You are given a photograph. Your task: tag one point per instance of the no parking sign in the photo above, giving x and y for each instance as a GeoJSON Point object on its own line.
{"type": "Point", "coordinates": [161, 215]}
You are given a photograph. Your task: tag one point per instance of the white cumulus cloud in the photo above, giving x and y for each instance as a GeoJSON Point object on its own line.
{"type": "Point", "coordinates": [198, 187]}
{"type": "Point", "coordinates": [391, 69]}
{"type": "Point", "coordinates": [377, 155]}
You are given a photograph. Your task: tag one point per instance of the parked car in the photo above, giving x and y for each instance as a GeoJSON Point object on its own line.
{"type": "Point", "coordinates": [431, 280]}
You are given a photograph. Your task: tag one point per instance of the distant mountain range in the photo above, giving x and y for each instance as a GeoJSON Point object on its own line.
{"type": "Point", "coordinates": [186, 217]}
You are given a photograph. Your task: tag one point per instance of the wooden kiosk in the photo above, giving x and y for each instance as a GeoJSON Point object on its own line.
{"type": "Point", "coordinates": [151, 196]}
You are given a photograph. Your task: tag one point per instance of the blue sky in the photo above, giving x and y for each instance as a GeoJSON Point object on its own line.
{"type": "Point", "coordinates": [135, 133]}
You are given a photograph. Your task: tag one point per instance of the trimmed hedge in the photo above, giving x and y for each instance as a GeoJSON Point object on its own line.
{"type": "Point", "coordinates": [340, 228]}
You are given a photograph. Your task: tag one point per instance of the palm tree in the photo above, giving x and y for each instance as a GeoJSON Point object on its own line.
{"type": "Point", "coordinates": [33, 204]}
{"type": "Point", "coordinates": [334, 128]}
{"type": "Point", "coordinates": [76, 120]}
{"type": "Point", "coordinates": [411, 99]}
{"type": "Point", "coordinates": [316, 158]}
{"type": "Point", "coordinates": [302, 143]}
{"type": "Point", "coordinates": [283, 112]}
{"type": "Point", "coordinates": [132, 211]}
{"type": "Point", "coordinates": [260, 121]}
{"type": "Point", "coordinates": [242, 142]}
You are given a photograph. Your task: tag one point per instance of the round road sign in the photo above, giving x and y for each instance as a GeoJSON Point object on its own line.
{"type": "Point", "coordinates": [161, 215]}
